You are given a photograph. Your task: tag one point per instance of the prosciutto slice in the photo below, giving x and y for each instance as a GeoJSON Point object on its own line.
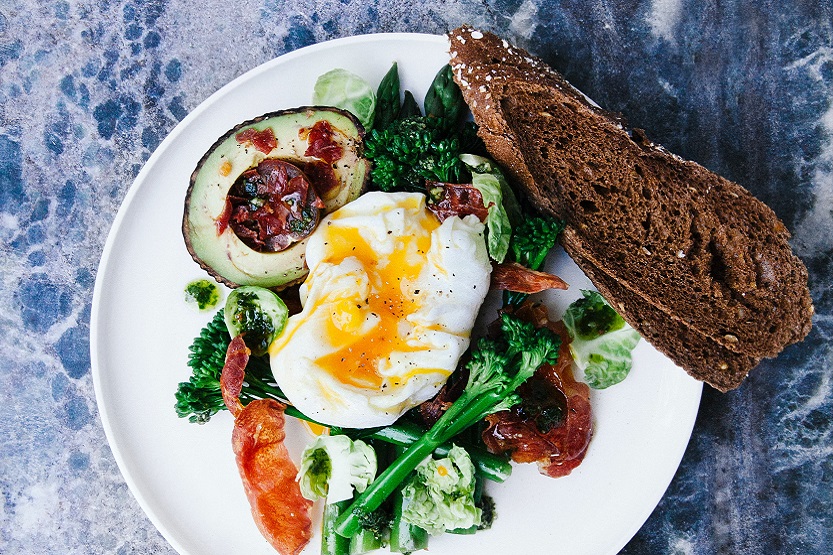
{"type": "Point", "coordinates": [280, 512]}
{"type": "Point", "coordinates": [268, 473]}
{"type": "Point", "coordinates": [451, 199]}
{"type": "Point", "coordinates": [272, 206]}
{"type": "Point", "coordinates": [516, 277]}
{"type": "Point", "coordinates": [234, 373]}
{"type": "Point", "coordinates": [552, 426]}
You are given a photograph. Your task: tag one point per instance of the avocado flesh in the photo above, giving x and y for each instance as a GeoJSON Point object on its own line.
{"type": "Point", "coordinates": [223, 254]}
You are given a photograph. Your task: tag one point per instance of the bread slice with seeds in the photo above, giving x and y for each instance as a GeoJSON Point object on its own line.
{"type": "Point", "coordinates": [692, 250]}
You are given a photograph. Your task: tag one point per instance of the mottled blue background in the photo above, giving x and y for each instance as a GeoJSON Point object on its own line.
{"type": "Point", "coordinates": [89, 89]}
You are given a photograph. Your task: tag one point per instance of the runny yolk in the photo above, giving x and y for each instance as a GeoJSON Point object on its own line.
{"type": "Point", "coordinates": [357, 358]}
{"type": "Point", "coordinates": [316, 429]}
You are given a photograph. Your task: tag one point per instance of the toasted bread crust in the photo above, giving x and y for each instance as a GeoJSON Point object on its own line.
{"type": "Point", "coordinates": [703, 265]}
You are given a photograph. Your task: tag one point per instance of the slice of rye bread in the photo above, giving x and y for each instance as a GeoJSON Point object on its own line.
{"type": "Point", "coordinates": [698, 247]}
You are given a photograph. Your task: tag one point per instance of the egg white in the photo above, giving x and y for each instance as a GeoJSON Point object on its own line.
{"type": "Point", "coordinates": [388, 309]}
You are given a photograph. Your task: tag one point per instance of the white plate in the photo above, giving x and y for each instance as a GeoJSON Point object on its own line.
{"type": "Point", "coordinates": [184, 475]}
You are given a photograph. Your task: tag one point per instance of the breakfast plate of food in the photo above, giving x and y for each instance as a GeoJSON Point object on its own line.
{"type": "Point", "coordinates": [357, 301]}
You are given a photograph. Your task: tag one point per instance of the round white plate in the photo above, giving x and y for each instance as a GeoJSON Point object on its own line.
{"type": "Point", "coordinates": [184, 475]}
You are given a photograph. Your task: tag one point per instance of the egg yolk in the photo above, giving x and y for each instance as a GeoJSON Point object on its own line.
{"type": "Point", "coordinates": [356, 361]}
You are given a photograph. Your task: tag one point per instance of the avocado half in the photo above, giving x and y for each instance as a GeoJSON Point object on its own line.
{"type": "Point", "coordinates": [216, 247]}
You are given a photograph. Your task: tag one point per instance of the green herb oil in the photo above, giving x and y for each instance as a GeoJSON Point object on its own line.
{"type": "Point", "coordinates": [203, 293]}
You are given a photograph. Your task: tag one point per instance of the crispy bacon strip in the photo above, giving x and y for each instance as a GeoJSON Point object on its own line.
{"type": "Point", "coordinates": [268, 473]}
{"type": "Point", "coordinates": [234, 370]}
{"type": "Point", "coordinates": [528, 432]}
{"type": "Point", "coordinates": [515, 277]}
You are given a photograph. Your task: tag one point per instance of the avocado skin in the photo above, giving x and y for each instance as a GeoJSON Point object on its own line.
{"type": "Point", "coordinates": [223, 255]}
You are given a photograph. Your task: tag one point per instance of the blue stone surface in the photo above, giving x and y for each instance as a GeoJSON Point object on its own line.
{"type": "Point", "coordinates": [89, 88]}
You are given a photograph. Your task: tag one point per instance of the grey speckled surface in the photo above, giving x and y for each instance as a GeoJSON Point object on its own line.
{"type": "Point", "coordinates": [88, 90]}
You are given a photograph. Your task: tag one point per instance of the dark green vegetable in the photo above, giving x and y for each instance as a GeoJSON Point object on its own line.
{"type": "Point", "coordinates": [331, 542]}
{"type": "Point", "coordinates": [591, 316]}
{"type": "Point", "coordinates": [373, 531]}
{"type": "Point", "coordinates": [488, 513]}
{"type": "Point", "coordinates": [257, 314]}
{"type": "Point", "coordinates": [414, 148]}
{"type": "Point", "coordinates": [444, 101]}
{"type": "Point", "coordinates": [496, 369]}
{"type": "Point", "coordinates": [410, 107]}
{"type": "Point", "coordinates": [387, 99]}
{"type": "Point", "coordinates": [404, 537]}
{"type": "Point", "coordinates": [200, 397]}
{"type": "Point", "coordinates": [531, 241]}
{"type": "Point", "coordinates": [534, 239]}
{"type": "Point", "coordinates": [470, 143]}
{"type": "Point", "coordinates": [404, 433]}
{"type": "Point", "coordinates": [364, 542]}
{"type": "Point", "coordinates": [411, 151]}
{"type": "Point", "coordinates": [602, 342]}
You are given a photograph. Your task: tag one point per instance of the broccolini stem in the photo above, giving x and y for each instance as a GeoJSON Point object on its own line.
{"type": "Point", "coordinates": [348, 524]}
{"type": "Point", "coordinates": [255, 388]}
{"type": "Point", "coordinates": [258, 389]}
{"type": "Point", "coordinates": [464, 412]}
{"type": "Point", "coordinates": [403, 433]}
{"type": "Point", "coordinates": [331, 542]}
{"type": "Point", "coordinates": [404, 537]}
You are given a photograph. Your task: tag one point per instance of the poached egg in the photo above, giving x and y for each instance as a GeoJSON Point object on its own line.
{"type": "Point", "coordinates": [388, 308]}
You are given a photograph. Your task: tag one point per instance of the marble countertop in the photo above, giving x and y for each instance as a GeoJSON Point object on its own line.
{"type": "Point", "coordinates": [88, 89]}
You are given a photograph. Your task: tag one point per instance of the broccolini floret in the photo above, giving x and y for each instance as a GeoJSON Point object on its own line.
{"type": "Point", "coordinates": [412, 150]}
{"type": "Point", "coordinates": [200, 397]}
{"type": "Point", "coordinates": [531, 241]}
{"type": "Point", "coordinates": [534, 239]}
